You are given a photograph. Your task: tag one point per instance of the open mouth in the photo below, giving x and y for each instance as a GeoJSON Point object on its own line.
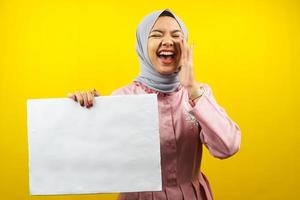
{"type": "Point", "coordinates": [166, 56]}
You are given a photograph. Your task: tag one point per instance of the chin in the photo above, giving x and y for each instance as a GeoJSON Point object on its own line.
{"type": "Point", "coordinates": [165, 71]}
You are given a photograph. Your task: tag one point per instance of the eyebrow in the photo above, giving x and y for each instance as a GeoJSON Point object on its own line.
{"type": "Point", "coordinates": [174, 31]}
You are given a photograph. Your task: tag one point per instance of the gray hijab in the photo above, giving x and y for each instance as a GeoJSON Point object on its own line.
{"type": "Point", "coordinates": [148, 75]}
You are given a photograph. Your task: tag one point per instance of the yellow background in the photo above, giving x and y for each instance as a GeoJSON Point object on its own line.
{"type": "Point", "coordinates": [248, 51]}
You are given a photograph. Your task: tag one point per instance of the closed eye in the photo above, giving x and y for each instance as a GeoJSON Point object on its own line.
{"type": "Point", "coordinates": [155, 36]}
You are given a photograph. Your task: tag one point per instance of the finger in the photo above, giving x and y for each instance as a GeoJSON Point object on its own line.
{"type": "Point", "coordinates": [72, 96]}
{"type": "Point", "coordinates": [90, 97]}
{"type": "Point", "coordinates": [189, 67]}
{"type": "Point", "coordinates": [181, 49]}
{"type": "Point", "coordinates": [185, 48]}
{"type": "Point", "coordinates": [190, 55]}
{"type": "Point", "coordinates": [85, 99]}
{"type": "Point", "coordinates": [177, 47]}
{"type": "Point", "coordinates": [178, 54]}
{"type": "Point", "coordinates": [190, 51]}
{"type": "Point", "coordinates": [95, 93]}
{"type": "Point", "coordinates": [79, 98]}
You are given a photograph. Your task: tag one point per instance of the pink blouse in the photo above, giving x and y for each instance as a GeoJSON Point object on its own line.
{"type": "Point", "coordinates": [183, 129]}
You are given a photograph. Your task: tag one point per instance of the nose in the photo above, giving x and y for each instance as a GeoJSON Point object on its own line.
{"type": "Point", "coordinates": [167, 42]}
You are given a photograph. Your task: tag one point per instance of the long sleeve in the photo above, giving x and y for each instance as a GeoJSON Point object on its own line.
{"type": "Point", "coordinates": [220, 134]}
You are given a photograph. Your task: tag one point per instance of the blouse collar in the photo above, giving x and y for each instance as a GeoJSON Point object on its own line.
{"type": "Point", "coordinates": [149, 90]}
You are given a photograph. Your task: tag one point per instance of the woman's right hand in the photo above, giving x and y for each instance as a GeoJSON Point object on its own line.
{"type": "Point", "coordinates": [85, 98]}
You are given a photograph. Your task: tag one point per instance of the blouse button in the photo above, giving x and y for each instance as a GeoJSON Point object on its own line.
{"type": "Point", "coordinates": [172, 171]}
{"type": "Point", "coordinates": [171, 144]}
{"type": "Point", "coordinates": [165, 102]}
{"type": "Point", "coordinates": [168, 144]}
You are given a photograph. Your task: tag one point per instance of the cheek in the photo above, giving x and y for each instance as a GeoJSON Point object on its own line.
{"type": "Point", "coordinates": [152, 50]}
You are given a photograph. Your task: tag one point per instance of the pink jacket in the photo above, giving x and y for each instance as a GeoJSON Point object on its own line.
{"type": "Point", "coordinates": [183, 129]}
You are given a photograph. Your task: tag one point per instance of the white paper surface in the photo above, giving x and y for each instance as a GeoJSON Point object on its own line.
{"type": "Point", "coordinates": [112, 147]}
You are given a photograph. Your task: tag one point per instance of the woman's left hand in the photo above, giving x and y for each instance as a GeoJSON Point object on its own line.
{"type": "Point", "coordinates": [186, 73]}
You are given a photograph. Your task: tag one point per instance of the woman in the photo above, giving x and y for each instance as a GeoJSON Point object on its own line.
{"type": "Point", "coordinates": [189, 116]}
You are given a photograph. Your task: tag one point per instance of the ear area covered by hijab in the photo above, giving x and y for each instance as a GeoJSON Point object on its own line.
{"type": "Point", "coordinates": [148, 75]}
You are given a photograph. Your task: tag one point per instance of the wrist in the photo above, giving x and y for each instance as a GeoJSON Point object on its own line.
{"type": "Point", "coordinates": [193, 87]}
{"type": "Point", "coordinates": [196, 92]}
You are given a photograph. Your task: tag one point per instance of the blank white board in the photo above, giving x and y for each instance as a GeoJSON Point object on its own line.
{"type": "Point", "coordinates": [111, 147]}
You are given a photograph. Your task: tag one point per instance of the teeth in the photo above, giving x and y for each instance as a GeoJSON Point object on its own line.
{"type": "Point", "coordinates": [166, 53]}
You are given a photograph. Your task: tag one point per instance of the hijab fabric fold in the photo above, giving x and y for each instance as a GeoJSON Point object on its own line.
{"type": "Point", "coordinates": [148, 76]}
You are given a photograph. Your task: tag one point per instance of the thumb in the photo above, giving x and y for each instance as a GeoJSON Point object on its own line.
{"type": "Point", "coordinates": [95, 93]}
{"type": "Point", "coordinates": [72, 96]}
